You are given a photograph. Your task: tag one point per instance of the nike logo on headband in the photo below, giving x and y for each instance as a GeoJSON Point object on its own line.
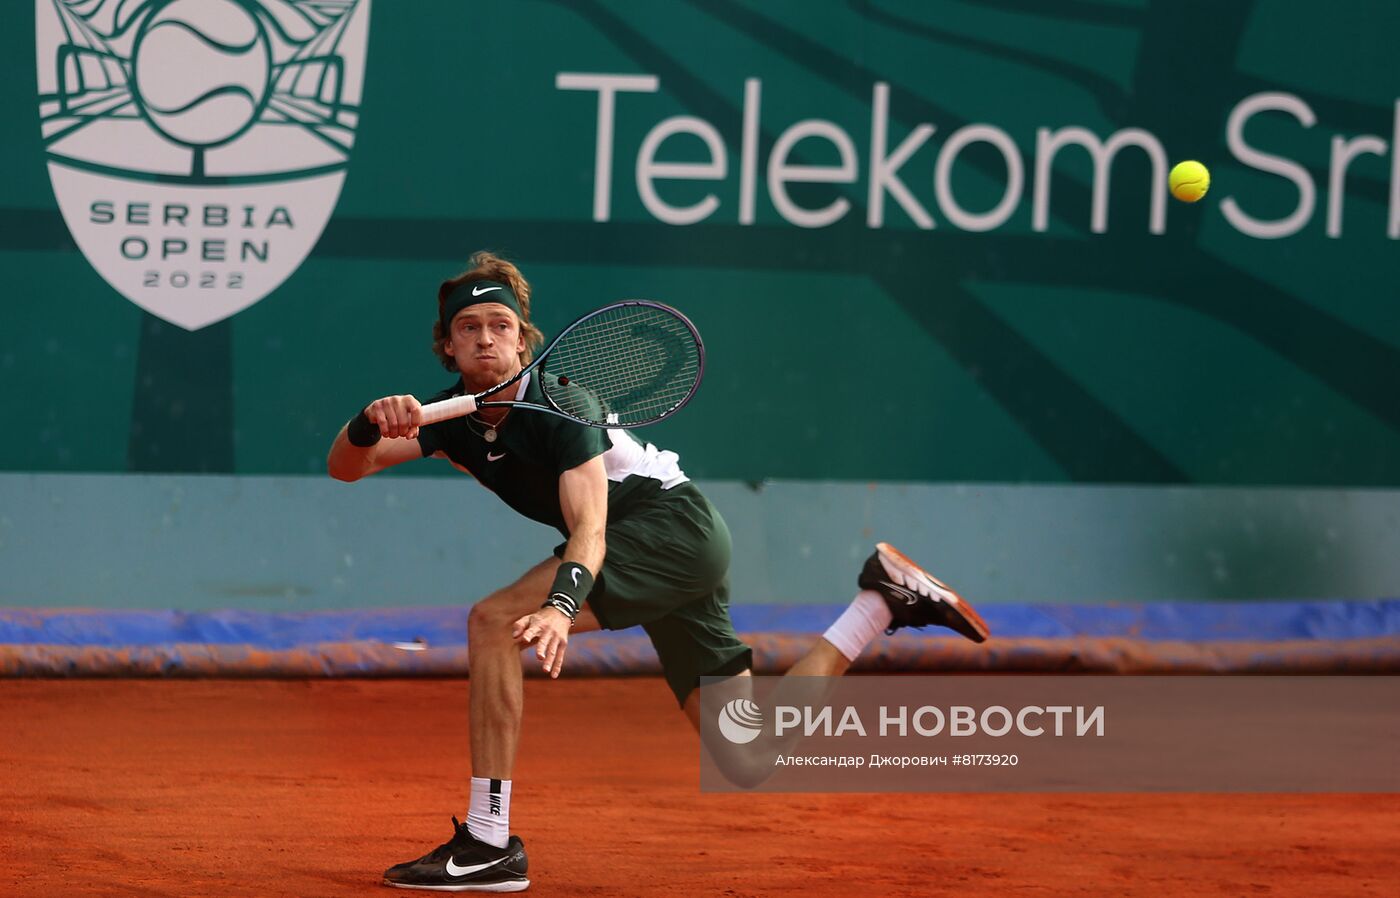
{"type": "Point", "coordinates": [477, 291]}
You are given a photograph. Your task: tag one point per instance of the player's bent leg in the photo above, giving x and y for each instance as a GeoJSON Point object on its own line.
{"type": "Point", "coordinates": [480, 857]}
{"type": "Point", "coordinates": [497, 696]}
{"type": "Point", "coordinates": [493, 658]}
{"type": "Point", "coordinates": [895, 592]}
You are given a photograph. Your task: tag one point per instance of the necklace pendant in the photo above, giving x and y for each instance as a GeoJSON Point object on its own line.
{"type": "Point", "coordinates": [490, 435]}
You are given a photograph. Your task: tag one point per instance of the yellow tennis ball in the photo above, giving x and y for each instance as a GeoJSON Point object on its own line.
{"type": "Point", "coordinates": [1189, 181]}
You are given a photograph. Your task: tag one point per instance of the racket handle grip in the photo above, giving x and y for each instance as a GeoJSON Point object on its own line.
{"type": "Point", "coordinates": [456, 407]}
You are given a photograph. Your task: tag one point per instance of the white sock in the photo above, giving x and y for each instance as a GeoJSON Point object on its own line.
{"type": "Point", "coordinates": [488, 815]}
{"type": "Point", "coordinates": [866, 618]}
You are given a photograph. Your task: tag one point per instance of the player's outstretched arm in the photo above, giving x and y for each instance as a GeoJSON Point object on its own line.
{"type": "Point", "coordinates": [383, 435]}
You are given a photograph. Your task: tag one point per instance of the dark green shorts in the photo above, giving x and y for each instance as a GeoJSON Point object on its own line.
{"type": "Point", "coordinates": [667, 571]}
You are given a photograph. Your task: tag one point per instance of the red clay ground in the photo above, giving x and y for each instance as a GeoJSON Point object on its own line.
{"type": "Point", "coordinates": [311, 788]}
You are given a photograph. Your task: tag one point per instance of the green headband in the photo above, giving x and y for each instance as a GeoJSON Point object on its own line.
{"type": "Point", "coordinates": [474, 294]}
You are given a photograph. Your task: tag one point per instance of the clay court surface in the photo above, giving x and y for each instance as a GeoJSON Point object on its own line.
{"type": "Point", "coordinates": [311, 788]}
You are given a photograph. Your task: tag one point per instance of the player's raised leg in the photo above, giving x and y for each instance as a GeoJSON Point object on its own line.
{"type": "Point", "coordinates": [895, 592]}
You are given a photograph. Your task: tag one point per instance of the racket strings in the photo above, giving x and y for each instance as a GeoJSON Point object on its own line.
{"type": "Point", "coordinates": [626, 366]}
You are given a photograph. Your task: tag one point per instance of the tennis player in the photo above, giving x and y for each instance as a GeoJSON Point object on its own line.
{"type": "Point", "coordinates": [643, 547]}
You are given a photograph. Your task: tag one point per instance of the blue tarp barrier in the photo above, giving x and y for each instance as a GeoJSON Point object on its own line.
{"type": "Point", "coordinates": [443, 626]}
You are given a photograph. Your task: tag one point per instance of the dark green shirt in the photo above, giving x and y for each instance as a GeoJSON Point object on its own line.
{"type": "Point", "coordinates": [533, 448]}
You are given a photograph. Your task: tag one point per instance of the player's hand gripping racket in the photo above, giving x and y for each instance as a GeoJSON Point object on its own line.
{"type": "Point", "coordinates": [625, 365]}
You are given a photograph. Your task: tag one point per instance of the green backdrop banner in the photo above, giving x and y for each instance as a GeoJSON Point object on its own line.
{"type": "Point", "coordinates": [925, 241]}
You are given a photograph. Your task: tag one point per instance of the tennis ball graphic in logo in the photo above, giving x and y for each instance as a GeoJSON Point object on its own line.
{"type": "Point", "coordinates": [201, 71]}
{"type": "Point", "coordinates": [741, 721]}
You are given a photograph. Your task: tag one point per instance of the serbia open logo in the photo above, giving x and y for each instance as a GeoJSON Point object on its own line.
{"type": "Point", "coordinates": [197, 147]}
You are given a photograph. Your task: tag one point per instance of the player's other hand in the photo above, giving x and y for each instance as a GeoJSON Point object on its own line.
{"type": "Point", "coordinates": [397, 416]}
{"type": "Point", "coordinates": [548, 629]}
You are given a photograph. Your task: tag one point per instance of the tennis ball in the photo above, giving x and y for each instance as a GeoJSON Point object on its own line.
{"type": "Point", "coordinates": [1189, 181]}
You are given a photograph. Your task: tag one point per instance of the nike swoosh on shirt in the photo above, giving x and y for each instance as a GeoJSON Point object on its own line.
{"type": "Point", "coordinates": [477, 291]}
{"type": "Point", "coordinates": [490, 457]}
{"type": "Point", "coordinates": [454, 870]}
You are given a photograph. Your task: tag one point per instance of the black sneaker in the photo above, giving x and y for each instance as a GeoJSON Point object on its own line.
{"type": "Point", "coordinates": [916, 597]}
{"type": "Point", "coordinates": [464, 864]}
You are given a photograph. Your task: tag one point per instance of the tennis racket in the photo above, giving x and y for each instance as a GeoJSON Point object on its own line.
{"type": "Point", "coordinates": [624, 365]}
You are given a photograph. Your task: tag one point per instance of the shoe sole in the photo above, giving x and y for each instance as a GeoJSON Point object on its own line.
{"type": "Point", "coordinates": [956, 603]}
{"type": "Point", "coordinates": [514, 885]}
